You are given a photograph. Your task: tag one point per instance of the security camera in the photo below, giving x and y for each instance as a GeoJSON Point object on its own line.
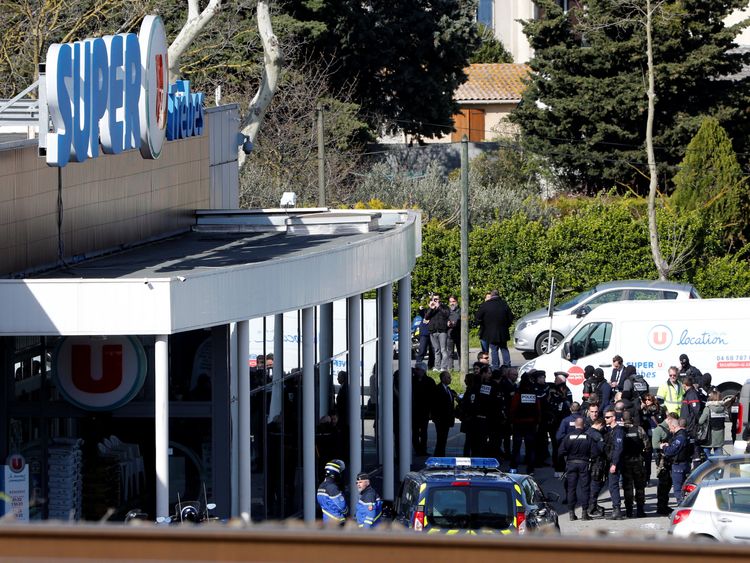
{"type": "Point", "coordinates": [247, 146]}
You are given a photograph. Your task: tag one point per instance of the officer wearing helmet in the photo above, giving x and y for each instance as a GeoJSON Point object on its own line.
{"type": "Point", "coordinates": [369, 506]}
{"type": "Point", "coordinates": [330, 498]}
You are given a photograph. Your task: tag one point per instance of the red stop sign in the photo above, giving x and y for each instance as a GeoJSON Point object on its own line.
{"type": "Point", "coordinates": [575, 375]}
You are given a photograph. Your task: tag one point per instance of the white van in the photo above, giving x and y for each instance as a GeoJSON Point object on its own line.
{"type": "Point", "coordinates": [651, 335]}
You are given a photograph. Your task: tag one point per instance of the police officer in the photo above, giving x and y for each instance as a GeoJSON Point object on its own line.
{"type": "Point", "coordinates": [578, 449]}
{"type": "Point", "coordinates": [660, 435]}
{"type": "Point", "coordinates": [369, 506]}
{"type": "Point", "coordinates": [613, 440]}
{"type": "Point", "coordinates": [525, 416]}
{"type": "Point", "coordinates": [633, 473]}
{"type": "Point", "coordinates": [598, 385]}
{"type": "Point", "coordinates": [329, 496]}
{"type": "Point", "coordinates": [680, 451]}
{"type": "Point", "coordinates": [599, 467]}
{"type": "Point", "coordinates": [566, 425]}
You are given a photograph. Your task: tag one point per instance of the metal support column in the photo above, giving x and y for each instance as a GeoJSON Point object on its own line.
{"type": "Point", "coordinates": [404, 376]}
{"type": "Point", "coordinates": [161, 424]}
{"type": "Point", "coordinates": [244, 431]}
{"type": "Point", "coordinates": [385, 361]}
{"type": "Point", "coordinates": [308, 413]}
{"type": "Point", "coordinates": [234, 416]}
{"type": "Point", "coordinates": [325, 351]}
{"type": "Point", "coordinates": [277, 372]}
{"type": "Point", "coordinates": [354, 367]}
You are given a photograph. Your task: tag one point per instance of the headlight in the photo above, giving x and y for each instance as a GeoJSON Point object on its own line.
{"type": "Point", "coordinates": [523, 324]}
{"type": "Point", "coordinates": [528, 366]}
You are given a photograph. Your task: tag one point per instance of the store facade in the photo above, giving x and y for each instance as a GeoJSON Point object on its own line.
{"type": "Point", "coordinates": [128, 285]}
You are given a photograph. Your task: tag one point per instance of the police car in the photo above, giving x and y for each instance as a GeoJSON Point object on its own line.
{"type": "Point", "coordinates": [456, 495]}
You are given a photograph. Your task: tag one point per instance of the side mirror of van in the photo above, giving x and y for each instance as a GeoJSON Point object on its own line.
{"type": "Point", "coordinates": [582, 311]}
{"type": "Point", "coordinates": [566, 351]}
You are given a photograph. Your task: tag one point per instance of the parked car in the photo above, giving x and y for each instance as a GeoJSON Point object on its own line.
{"type": "Point", "coordinates": [718, 468]}
{"type": "Point", "coordinates": [471, 496]}
{"type": "Point", "coordinates": [716, 510]}
{"type": "Point", "coordinates": [532, 331]}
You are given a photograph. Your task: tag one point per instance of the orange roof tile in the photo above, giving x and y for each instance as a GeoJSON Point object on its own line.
{"type": "Point", "coordinates": [497, 81]}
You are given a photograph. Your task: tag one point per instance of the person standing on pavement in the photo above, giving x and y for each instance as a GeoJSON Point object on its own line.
{"type": "Point", "coordinates": [633, 475]}
{"type": "Point", "coordinates": [437, 318]}
{"type": "Point", "coordinates": [454, 330]}
{"type": "Point", "coordinates": [599, 467]}
{"type": "Point", "coordinates": [680, 451]}
{"type": "Point", "coordinates": [614, 443]}
{"type": "Point", "coordinates": [369, 505]}
{"type": "Point", "coordinates": [715, 415]}
{"type": "Point", "coordinates": [494, 318]}
{"type": "Point", "coordinates": [578, 448]}
{"type": "Point", "coordinates": [661, 435]}
{"type": "Point", "coordinates": [671, 392]}
{"type": "Point", "coordinates": [617, 380]}
{"type": "Point", "coordinates": [421, 397]}
{"type": "Point", "coordinates": [443, 411]}
{"type": "Point", "coordinates": [525, 415]}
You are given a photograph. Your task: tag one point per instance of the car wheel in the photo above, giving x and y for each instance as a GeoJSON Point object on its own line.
{"type": "Point", "coordinates": [705, 538]}
{"type": "Point", "coordinates": [543, 341]}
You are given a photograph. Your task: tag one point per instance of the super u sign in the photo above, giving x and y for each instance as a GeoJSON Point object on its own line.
{"type": "Point", "coordinates": [111, 90]}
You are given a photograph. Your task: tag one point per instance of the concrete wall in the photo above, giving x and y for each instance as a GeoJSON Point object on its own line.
{"type": "Point", "coordinates": [107, 202]}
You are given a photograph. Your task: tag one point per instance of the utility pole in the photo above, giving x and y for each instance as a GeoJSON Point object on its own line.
{"type": "Point", "coordinates": [321, 159]}
{"type": "Point", "coordinates": [464, 255]}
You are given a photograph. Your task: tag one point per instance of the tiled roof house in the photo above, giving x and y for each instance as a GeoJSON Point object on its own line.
{"type": "Point", "coordinates": [486, 98]}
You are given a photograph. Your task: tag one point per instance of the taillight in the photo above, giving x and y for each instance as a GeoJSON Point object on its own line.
{"type": "Point", "coordinates": [419, 519]}
{"type": "Point", "coordinates": [740, 418]}
{"type": "Point", "coordinates": [680, 516]}
{"type": "Point", "coordinates": [521, 522]}
{"type": "Point", "coordinates": [689, 487]}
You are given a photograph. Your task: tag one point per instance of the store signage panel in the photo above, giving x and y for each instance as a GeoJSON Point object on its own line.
{"type": "Point", "coordinates": [99, 374]}
{"type": "Point", "coordinates": [14, 497]}
{"type": "Point", "coordinates": [111, 90]}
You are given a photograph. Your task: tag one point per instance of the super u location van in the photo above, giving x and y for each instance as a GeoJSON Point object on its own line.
{"type": "Point", "coordinates": [651, 335]}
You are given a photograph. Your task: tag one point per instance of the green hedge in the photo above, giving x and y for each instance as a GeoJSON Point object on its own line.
{"type": "Point", "coordinates": [584, 241]}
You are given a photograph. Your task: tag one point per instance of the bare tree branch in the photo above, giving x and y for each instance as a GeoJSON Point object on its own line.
{"type": "Point", "coordinates": [194, 24]}
{"type": "Point", "coordinates": [269, 80]}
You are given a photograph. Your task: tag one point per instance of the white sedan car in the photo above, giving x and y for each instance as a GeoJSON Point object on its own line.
{"type": "Point", "coordinates": [716, 510]}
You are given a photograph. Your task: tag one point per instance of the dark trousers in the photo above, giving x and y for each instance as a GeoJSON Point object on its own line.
{"type": "Point", "coordinates": [613, 484]}
{"type": "Point", "coordinates": [425, 349]}
{"type": "Point", "coordinates": [527, 434]}
{"type": "Point", "coordinates": [663, 486]}
{"type": "Point", "coordinates": [596, 488]}
{"type": "Point", "coordinates": [577, 473]}
{"type": "Point", "coordinates": [679, 472]}
{"type": "Point", "coordinates": [633, 480]}
{"type": "Point", "coordinates": [419, 434]}
{"type": "Point", "coordinates": [441, 430]}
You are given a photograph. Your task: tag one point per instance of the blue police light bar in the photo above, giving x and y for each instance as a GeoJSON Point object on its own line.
{"type": "Point", "coordinates": [466, 462]}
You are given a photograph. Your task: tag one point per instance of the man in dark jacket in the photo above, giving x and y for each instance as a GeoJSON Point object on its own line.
{"type": "Point", "coordinates": [437, 324]}
{"type": "Point", "coordinates": [691, 405]}
{"type": "Point", "coordinates": [679, 451]}
{"type": "Point", "coordinates": [422, 388]}
{"type": "Point", "coordinates": [525, 416]}
{"type": "Point", "coordinates": [614, 441]}
{"type": "Point", "coordinates": [454, 330]}
{"type": "Point", "coordinates": [494, 318]}
{"type": "Point", "coordinates": [578, 448]}
{"type": "Point", "coordinates": [443, 411]}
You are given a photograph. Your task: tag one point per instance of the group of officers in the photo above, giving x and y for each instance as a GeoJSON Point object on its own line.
{"type": "Point", "coordinates": [609, 439]}
{"type": "Point", "coordinates": [333, 505]}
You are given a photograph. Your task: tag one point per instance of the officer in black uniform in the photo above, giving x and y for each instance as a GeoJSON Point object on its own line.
{"type": "Point", "coordinates": [680, 451]}
{"type": "Point", "coordinates": [633, 472]}
{"type": "Point", "coordinates": [525, 416]}
{"type": "Point", "coordinates": [599, 467]}
{"type": "Point", "coordinates": [614, 439]}
{"type": "Point", "coordinates": [660, 435]}
{"type": "Point", "coordinates": [578, 448]}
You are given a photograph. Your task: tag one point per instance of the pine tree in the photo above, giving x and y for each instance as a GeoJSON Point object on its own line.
{"type": "Point", "coordinates": [710, 177]}
{"type": "Point", "coordinates": [585, 109]}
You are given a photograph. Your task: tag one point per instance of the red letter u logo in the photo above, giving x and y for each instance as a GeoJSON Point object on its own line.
{"type": "Point", "coordinates": [110, 377]}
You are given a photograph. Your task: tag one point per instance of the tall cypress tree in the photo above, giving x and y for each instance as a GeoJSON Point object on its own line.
{"type": "Point", "coordinates": [585, 108]}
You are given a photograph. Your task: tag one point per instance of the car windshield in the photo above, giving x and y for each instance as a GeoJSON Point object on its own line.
{"type": "Point", "coordinates": [565, 305]}
{"type": "Point", "coordinates": [470, 508]}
